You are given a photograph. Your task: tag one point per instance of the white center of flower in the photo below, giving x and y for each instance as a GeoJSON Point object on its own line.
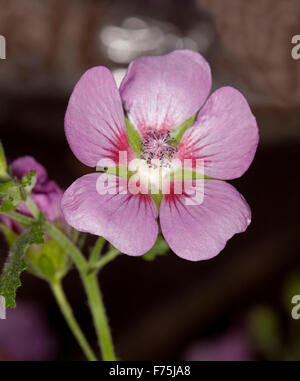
{"type": "Point", "coordinates": [151, 177]}
{"type": "Point", "coordinates": [152, 171]}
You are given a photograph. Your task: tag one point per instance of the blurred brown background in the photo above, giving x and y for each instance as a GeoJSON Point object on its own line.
{"type": "Point", "coordinates": [238, 302]}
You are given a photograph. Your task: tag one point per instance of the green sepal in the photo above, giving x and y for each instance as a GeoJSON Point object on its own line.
{"type": "Point", "coordinates": [52, 250]}
{"type": "Point", "coordinates": [15, 264]}
{"type": "Point", "coordinates": [160, 248]}
{"type": "Point", "coordinates": [46, 267]}
{"type": "Point", "coordinates": [157, 197]}
{"type": "Point", "coordinates": [14, 192]}
{"type": "Point", "coordinates": [178, 132]}
{"type": "Point", "coordinates": [49, 261]}
{"type": "Point", "coordinates": [133, 137]}
{"type": "Point", "coordinates": [119, 171]}
{"type": "Point", "coordinates": [189, 174]}
{"type": "Point", "coordinates": [11, 195]}
{"type": "Point", "coordinates": [28, 182]}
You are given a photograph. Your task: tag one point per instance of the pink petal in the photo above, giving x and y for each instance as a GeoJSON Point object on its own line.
{"type": "Point", "coordinates": [25, 164]}
{"type": "Point", "coordinates": [128, 222]}
{"type": "Point", "coordinates": [163, 92]}
{"type": "Point", "coordinates": [46, 193]}
{"type": "Point", "coordinates": [225, 135]}
{"type": "Point", "coordinates": [94, 121]}
{"type": "Point", "coordinates": [197, 232]}
{"type": "Point", "coordinates": [49, 202]}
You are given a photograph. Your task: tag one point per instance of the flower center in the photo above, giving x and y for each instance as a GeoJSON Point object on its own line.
{"type": "Point", "coordinates": [157, 149]}
{"type": "Point", "coordinates": [155, 164]}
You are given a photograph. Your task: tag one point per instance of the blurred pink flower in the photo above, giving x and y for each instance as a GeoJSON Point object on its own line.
{"type": "Point", "coordinates": [234, 345]}
{"type": "Point", "coordinates": [46, 193]}
{"type": "Point", "coordinates": [159, 94]}
{"type": "Point", "coordinates": [25, 335]}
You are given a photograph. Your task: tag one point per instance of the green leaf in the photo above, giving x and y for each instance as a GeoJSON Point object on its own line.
{"type": "Point", "coordinates": [265, 331]}
{"type": "Point", "coordinates": [178, 132]}
{"type": "Point", "coordinates": [160, 248]}
{"type": "Point", "coordinates": [10, 236]}
{"type": "Point", "coordinates": [133, 137]}
{"type": "Point", "coordinates": [3, 165]}
{"type": "Point", "coordinates": [15, 264]}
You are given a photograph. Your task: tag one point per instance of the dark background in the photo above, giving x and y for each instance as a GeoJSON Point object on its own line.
{"type": "Point", "coordinates": [234, 306]}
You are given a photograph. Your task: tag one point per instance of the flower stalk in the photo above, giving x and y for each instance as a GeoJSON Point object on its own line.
{"type": "Point", "coordinates": [90, 283]}
{"type": "Point", "coordinates": [67, 312]}
{"type": "Point", "coordinates": [91, 286]}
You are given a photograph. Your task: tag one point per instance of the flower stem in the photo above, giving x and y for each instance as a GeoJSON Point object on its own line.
{"type": "Point", "coordinates": [109, 256]}
{"type": "Point", "coordinates": [67, 312]}
{"type": "Point", "coordinates": [90, 282]}
{"type": "Point", "coordinates": [96, 250]}
{"type": "Point", "coordinates": [25, 221]}
{"type": "Point", "coordinates": [91, 286]}
{"type": "Point", "coordinates": [67, 245]}
{"type": "Point", "coordinates": [32, 207]}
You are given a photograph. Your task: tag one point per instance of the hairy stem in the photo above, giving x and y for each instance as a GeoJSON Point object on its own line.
{"type": "Point", "coordinates": [109, 256]}
{"type": "Point", "coordinates": [90, 282]}
{"type": "Point", "coordinates": [96, 250]}
{"type": "Point", "coordinates": [67, 312]}
{"type": "Point", "coordinates": [91, 286]}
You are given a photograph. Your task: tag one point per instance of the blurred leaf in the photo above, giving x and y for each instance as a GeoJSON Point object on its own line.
{"type": "Point", "coordinates": [10, 236]}
{"type": "Point", "coordinates": [15, 264]}
{"type": "Point", "coordinates": [160, 248]}
{"type": "Point", "coordinates": [265, 331]}
{"type": "Point", "coordinates": [3, 166]}
{"type": "Point", "coordinates": [133, 137]}
{"type": "Point", "coordinates": [178, 132]}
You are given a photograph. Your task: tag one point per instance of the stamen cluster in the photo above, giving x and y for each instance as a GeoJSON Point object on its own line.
{"type": "Point", "coordinates": [156, 147]}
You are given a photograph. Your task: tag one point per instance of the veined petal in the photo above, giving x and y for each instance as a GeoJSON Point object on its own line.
{"type": "Point", "coordinates": [163, 92]}
{"type": "Point", "coordinates": [224, 135]}
{"type": "Point", "coordinates": [127, 221]}
{"type": "Point", "coordinates": [94, 121]}
{"type": "Point", "coordinates": [200, 230]}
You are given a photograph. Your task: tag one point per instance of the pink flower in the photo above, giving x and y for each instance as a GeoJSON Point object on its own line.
{"type": "Point", "coordinates": [159, 94]}
{"type": "Point", "coordinates": [46, 193]}
{"type": "Point", "coordinates": [234, 345]}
